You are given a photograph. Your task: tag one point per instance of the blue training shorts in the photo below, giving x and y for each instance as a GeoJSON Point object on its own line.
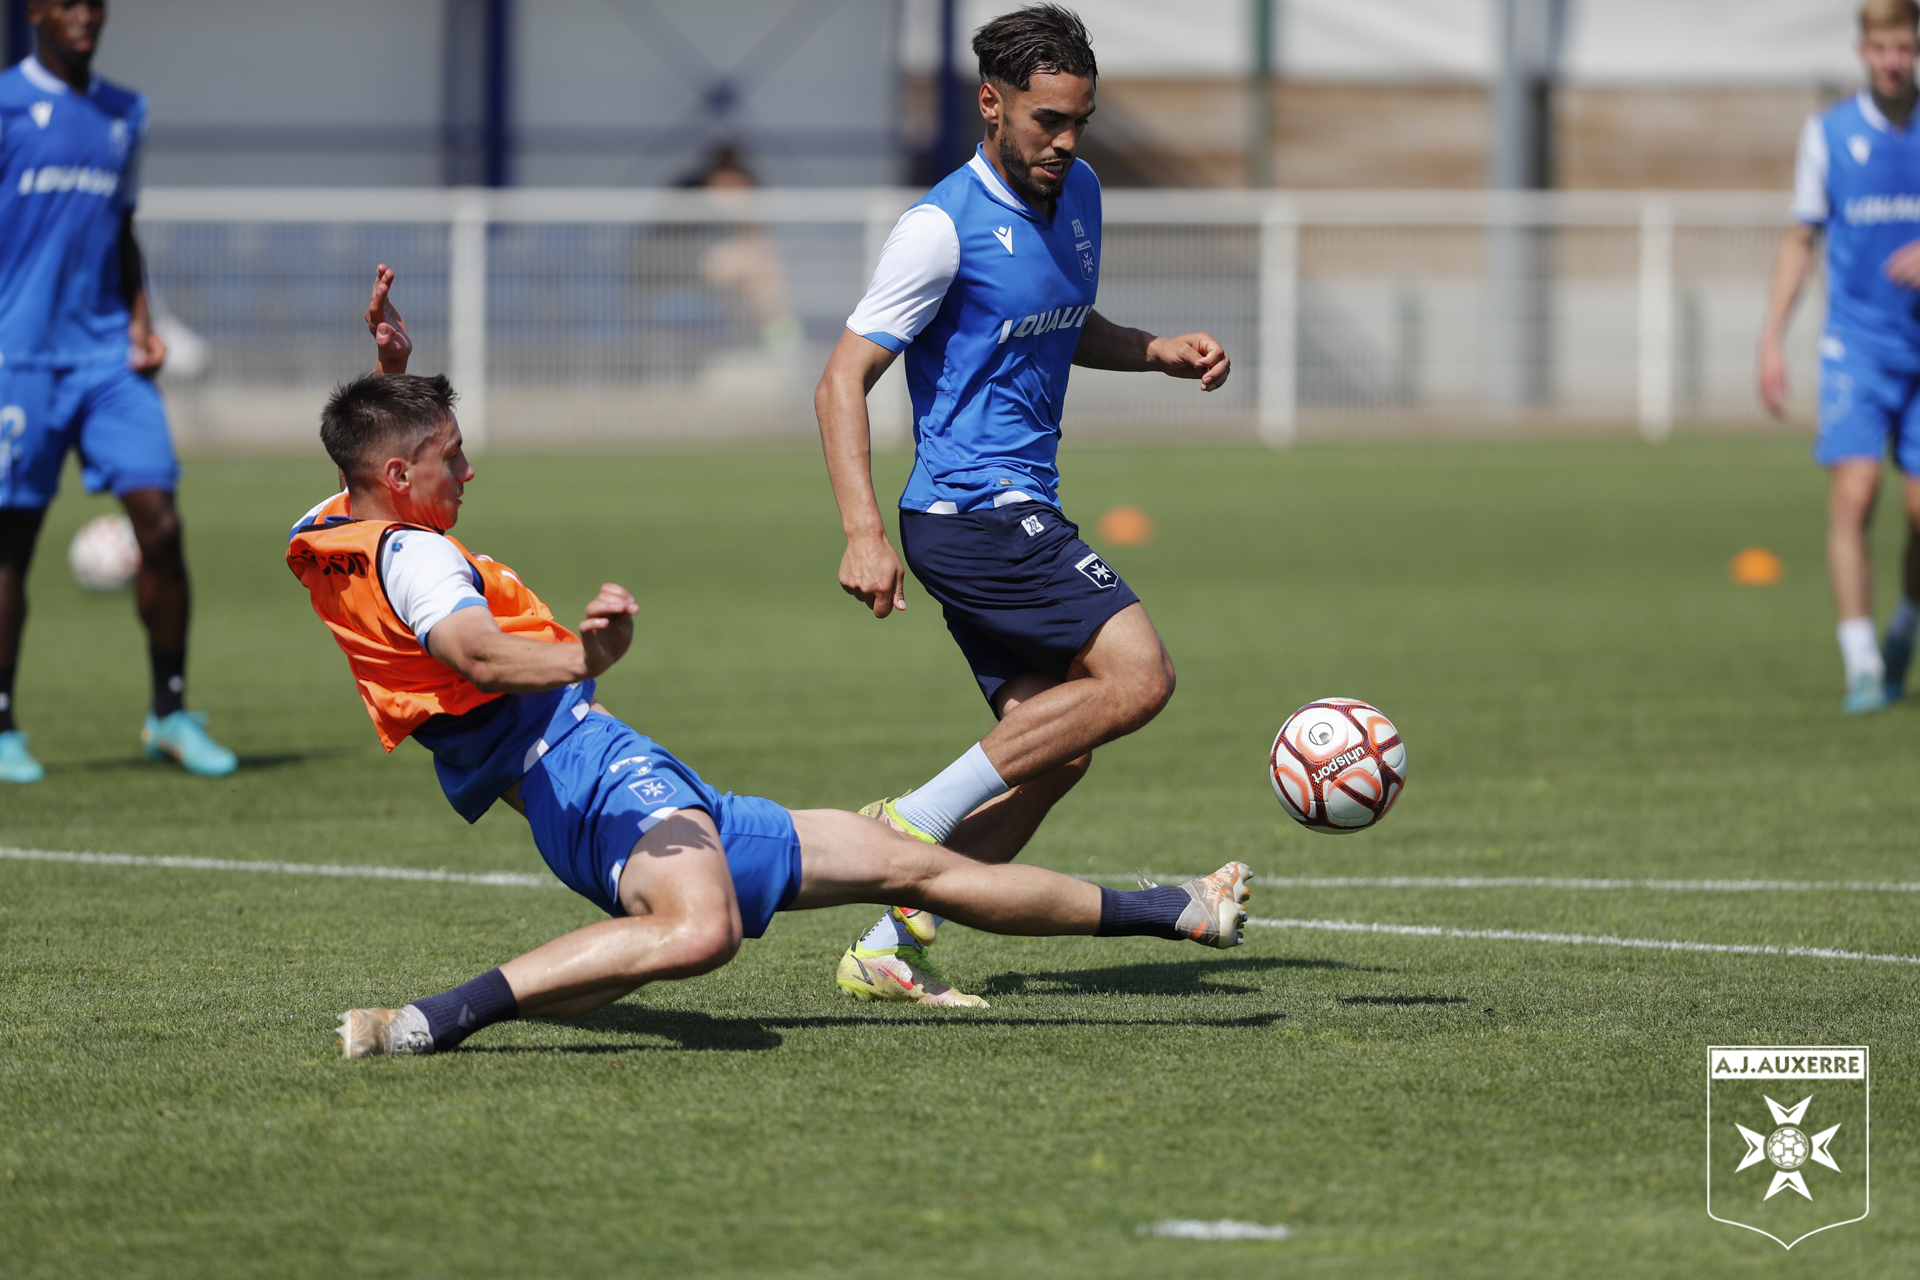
{"type": "Point", "coordinates": [603, 786]}
{"type": "Point", "coordinates": [1020, 590]}
{"type": "Point", "coordinates": [1862, 403]}
{"type": "Point", "coordinates": [111, 414]}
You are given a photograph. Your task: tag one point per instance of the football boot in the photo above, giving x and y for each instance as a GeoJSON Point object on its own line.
{"type": "Point", "coordinates": [1217, 916]}
{"type": "Point", "coordinates": [16, 762]}
{"type": "Point", "coordinates": [899, 974]}
{"type": "Point", "coordinates": [1865, 692]}
{"type": "Point", "coordinates": [182, 736]}
{"type": "Point", "coordinates": [368, 1033]}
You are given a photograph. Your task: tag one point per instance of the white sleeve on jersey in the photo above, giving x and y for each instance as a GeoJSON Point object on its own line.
{"type": "Point", "coordinates": [920, 260]}
{"type": "Point", "coordinates": [1810, 175]}
{"type": "Point", "coordinates": [426, 578]}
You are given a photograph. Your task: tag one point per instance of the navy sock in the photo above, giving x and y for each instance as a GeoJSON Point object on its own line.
{"type": "Point", "coordinates": [6, 697]}
{"type": "Point", "coordinates": [454, 1015]}
{"type": "Point", "coordinates": [169, 680]}
{"type": "Point", "coordinates": [1142, 913]}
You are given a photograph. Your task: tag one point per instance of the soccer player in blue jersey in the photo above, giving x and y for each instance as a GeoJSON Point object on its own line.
{"type": "Point", "coordinates": [987, 286]}
{"type": "Point", "coordinates": [1857, 181]}
{"type": "Point", "coordinates": [78, 355]}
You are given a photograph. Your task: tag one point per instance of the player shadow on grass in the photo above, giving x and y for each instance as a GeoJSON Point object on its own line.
{"type": "Point", "coordinates": [253, 763]}
{"type": "Point", "coordinates": [1171, 977]}
{"type": "Point", "coordinates": [693, 1031]}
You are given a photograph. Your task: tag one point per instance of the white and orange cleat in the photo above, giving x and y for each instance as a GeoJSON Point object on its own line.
{"type": "Point", "coordinates": [368, 1033]}
{"type": "Point", "coordinates": [1217, 916]}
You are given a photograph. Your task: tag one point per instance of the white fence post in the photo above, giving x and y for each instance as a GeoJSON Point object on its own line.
{"type": "Point", "coordinates": [1656, 321]}
{"type": "Point", "coordinates": [467, 314]}
{"type": "Point", "coordinates": [889, 407]}
{"type": "Point", "coordinates": [1279, 325]}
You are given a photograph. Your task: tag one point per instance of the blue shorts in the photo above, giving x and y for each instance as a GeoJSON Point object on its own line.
{"type": "Point", "coordinates": [603, 786]}
{"type": "Point", "coordinates": [1862, 403]}
{"type": "Point", "coordinates": [1020, 590]}
{"type": "Point", "coordinates": [110, 413]}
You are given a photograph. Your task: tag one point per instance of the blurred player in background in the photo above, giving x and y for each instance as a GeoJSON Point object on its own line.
{"type": "Point", "coordinates": [456, 652]}
{"type": "Point", "coordinates": [1857, 180]}
{"type": "Point", "coordinates": [78, 355]}
{"type": "Point", "coordinates": [988, 286]}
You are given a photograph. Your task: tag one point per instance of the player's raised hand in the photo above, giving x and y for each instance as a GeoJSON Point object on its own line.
{"type": "Point", "coordinates": [871, 573]}
{"type": "Point", "coordinates": [608, 627]}
{"type": "Point", "coordinates": [1191, 355]}
{"type": "Point", "coordinates": [388, 329]}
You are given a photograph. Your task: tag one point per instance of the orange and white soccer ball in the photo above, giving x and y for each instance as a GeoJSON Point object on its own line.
{"type": "Point", "coordinates": [104, 554]}
{"type": "Point", "coordinates": [1338, 765]}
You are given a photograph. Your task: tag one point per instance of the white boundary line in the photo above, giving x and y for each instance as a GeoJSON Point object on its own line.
{"type": "Point", "coordinates": [1552, 882]}
{"type": "Point", "coordinates": [523, 880]}
{"type": "Point", "coordinates": [1579, 939]}
{"type": "Point", "coordinates": [513, 879]}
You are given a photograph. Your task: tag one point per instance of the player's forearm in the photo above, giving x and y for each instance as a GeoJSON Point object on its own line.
{"type": "Point", "coordinates": [846, 437]}
{"type": "Point", "coordinates": [1106, 345]}
{"type": "Point", "coordinates": [1790, 269]}
{"type": "Point", "coordinates": [501, 663]}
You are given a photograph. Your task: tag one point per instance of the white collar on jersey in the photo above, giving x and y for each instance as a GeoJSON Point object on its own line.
{"type": "Point", "coordinates": [1870, 111]}
{"type": "Point", "coordinates": [983, 170]}
{"type": "Point", "coordinates": [47, 82]}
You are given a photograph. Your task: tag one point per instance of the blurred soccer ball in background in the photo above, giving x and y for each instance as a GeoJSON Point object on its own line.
{"type": "Point", "coordinates": [1338, 765]}
{"type": "Point", "coordinates": [104, 554]}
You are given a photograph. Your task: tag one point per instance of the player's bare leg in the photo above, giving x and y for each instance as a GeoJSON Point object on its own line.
{"type": "Point", "coordinates": [19, 531]}
{"type": "Point", "coordinates": [1851, 492]}
{"type": "Point", "coordinates": [1903, 625]}
{"type": "Point", "coordinates": [164, 599]}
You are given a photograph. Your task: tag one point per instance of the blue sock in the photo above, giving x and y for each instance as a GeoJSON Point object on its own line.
{"type": "Point", "coordinates": [454, 1015]}
{"type": "Point", "coordinates": [1142, 913]}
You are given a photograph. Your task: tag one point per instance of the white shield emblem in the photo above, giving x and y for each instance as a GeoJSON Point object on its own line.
{"type": "Point", "coordinates": [1787, 1138]}
{"type": "Point", "coordinates": [1860, 148]}
{"type": "Point", "coordinates": [1097, 572]}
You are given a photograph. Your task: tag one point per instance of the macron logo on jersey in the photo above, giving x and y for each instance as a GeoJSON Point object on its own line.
{"type": "Point", "coordinates": [1859, 148]}
{"type": "Point", "coordinates": [41, 113]}
{"type": "Point", "coordinates": [1045, 322]}
{"type": "Point", "coordinates": [54, 177]}
{"type": "Point", "coordinates": [1005, 236]}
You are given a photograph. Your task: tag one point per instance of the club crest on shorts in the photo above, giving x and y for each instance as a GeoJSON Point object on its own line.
{"type": "Point", "coordinates": [1787, 1138]}
{"type": "Point", "coordinates": [1097, 572]}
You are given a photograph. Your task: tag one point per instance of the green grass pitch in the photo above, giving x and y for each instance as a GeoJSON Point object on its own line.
{"type": "Point", "coordinates": [1583, 694]}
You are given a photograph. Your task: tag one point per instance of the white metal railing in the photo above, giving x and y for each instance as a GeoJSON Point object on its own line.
{"type": "Point", "coordinates": [625, 313]}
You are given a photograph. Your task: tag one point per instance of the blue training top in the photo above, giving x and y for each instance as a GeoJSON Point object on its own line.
{"type": "Point", "coordinates": [1858, 177]}
{"type": "Point", "coordinates": [69, 173]}
{"type": "Point", "coordinates": [987, 298]}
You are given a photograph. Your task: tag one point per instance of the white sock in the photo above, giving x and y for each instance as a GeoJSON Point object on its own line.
{"type": "Point", "coordinates": [1859, 648]}
{"type": "Point", "coordinates": [887, 933]}
{"type": "Point", "coordinates": [1905, 621]}
{"type": "Point", "coordinates": [955, 792]}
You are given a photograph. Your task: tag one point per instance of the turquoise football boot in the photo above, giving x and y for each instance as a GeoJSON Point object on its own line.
{"type": "Point", "coordinates": [182, 736]}
{"type": "Point", "coordinates": [16, 762]}
{"type": "Point", "coordinates": [1865, 692]}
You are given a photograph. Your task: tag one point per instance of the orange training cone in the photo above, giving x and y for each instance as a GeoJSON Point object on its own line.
{"type": "Point", "coordinates": [1756, 567]}
{"type": "Point", "coordinates": [1126, 527]}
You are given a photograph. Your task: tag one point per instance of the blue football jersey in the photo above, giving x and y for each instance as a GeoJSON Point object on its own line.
{"type": "Point", "coordinates": [68, 173]}
{"type": "Point", "coordinates": [987, 299]}
{"type": "Point", "coordinates": [1859, 178]}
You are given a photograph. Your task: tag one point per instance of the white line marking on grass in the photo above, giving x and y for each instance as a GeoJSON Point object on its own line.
{"type": "Point", "coordinates": [1580, 939]}
{"type": "Point", "coordinates": [512, 879]}
{"type": "Point", "coordinates": [1225, 1229]}
{"type": "Point", "coordinates": [1556, 882]}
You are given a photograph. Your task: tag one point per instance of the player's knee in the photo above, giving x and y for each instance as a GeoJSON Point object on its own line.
{"type": "Point", "coordinates": [702, 944]}
{"type": "Point", "coordinates": [1146, 693]}
{"type": "Point", "coordinates": [159, 534]}
{"type": "Point", "coordinates": [1073, 770]}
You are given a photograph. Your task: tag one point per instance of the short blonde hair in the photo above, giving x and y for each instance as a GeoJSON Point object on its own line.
{"type": "Point", "coordinates": [1881, 15]}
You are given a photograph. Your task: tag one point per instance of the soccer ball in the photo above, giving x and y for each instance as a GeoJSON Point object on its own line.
{"type": "Point", "coordinates": [1338, 765]}
{"type": "Point", "coordinates": [104, 554]}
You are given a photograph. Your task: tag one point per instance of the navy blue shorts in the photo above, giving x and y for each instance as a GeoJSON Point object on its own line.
{"type": "Point", "coordinates": [111, 414]}
{"type": "Point", "coordinates": [603, 786]}
{"type": "Point", "coordinates": [1020, 590]}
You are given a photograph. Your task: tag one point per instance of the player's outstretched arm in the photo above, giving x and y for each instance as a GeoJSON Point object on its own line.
{"type": "Point", "coordinates": [1106, 345]}
{"type": "Point", "coordinates": [471, 642]}
{"type": "Point", "coordinates": [1789, 274]}
{"type": "Point", "coordinates": [870, 570]}
{"type": "Point", "coordinates": [393, 348]}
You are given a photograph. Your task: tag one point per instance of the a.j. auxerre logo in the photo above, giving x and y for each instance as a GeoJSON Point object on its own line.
{"type": "Point", "coordinates": [1787, 1138]}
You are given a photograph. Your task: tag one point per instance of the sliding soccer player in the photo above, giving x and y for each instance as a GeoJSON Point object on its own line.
{"type": "Point", "coordinates": [453, 650]}
{"type": "Point", "coordinates": [1857, 180]}
{"type": "Point", "coordinates": [988, 286]}
{"type": "Point", "coordinates": [78, 357]}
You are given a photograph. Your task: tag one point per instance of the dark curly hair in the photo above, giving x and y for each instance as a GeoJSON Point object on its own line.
{"type": "Point", "coordinates": [1039, 38]}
